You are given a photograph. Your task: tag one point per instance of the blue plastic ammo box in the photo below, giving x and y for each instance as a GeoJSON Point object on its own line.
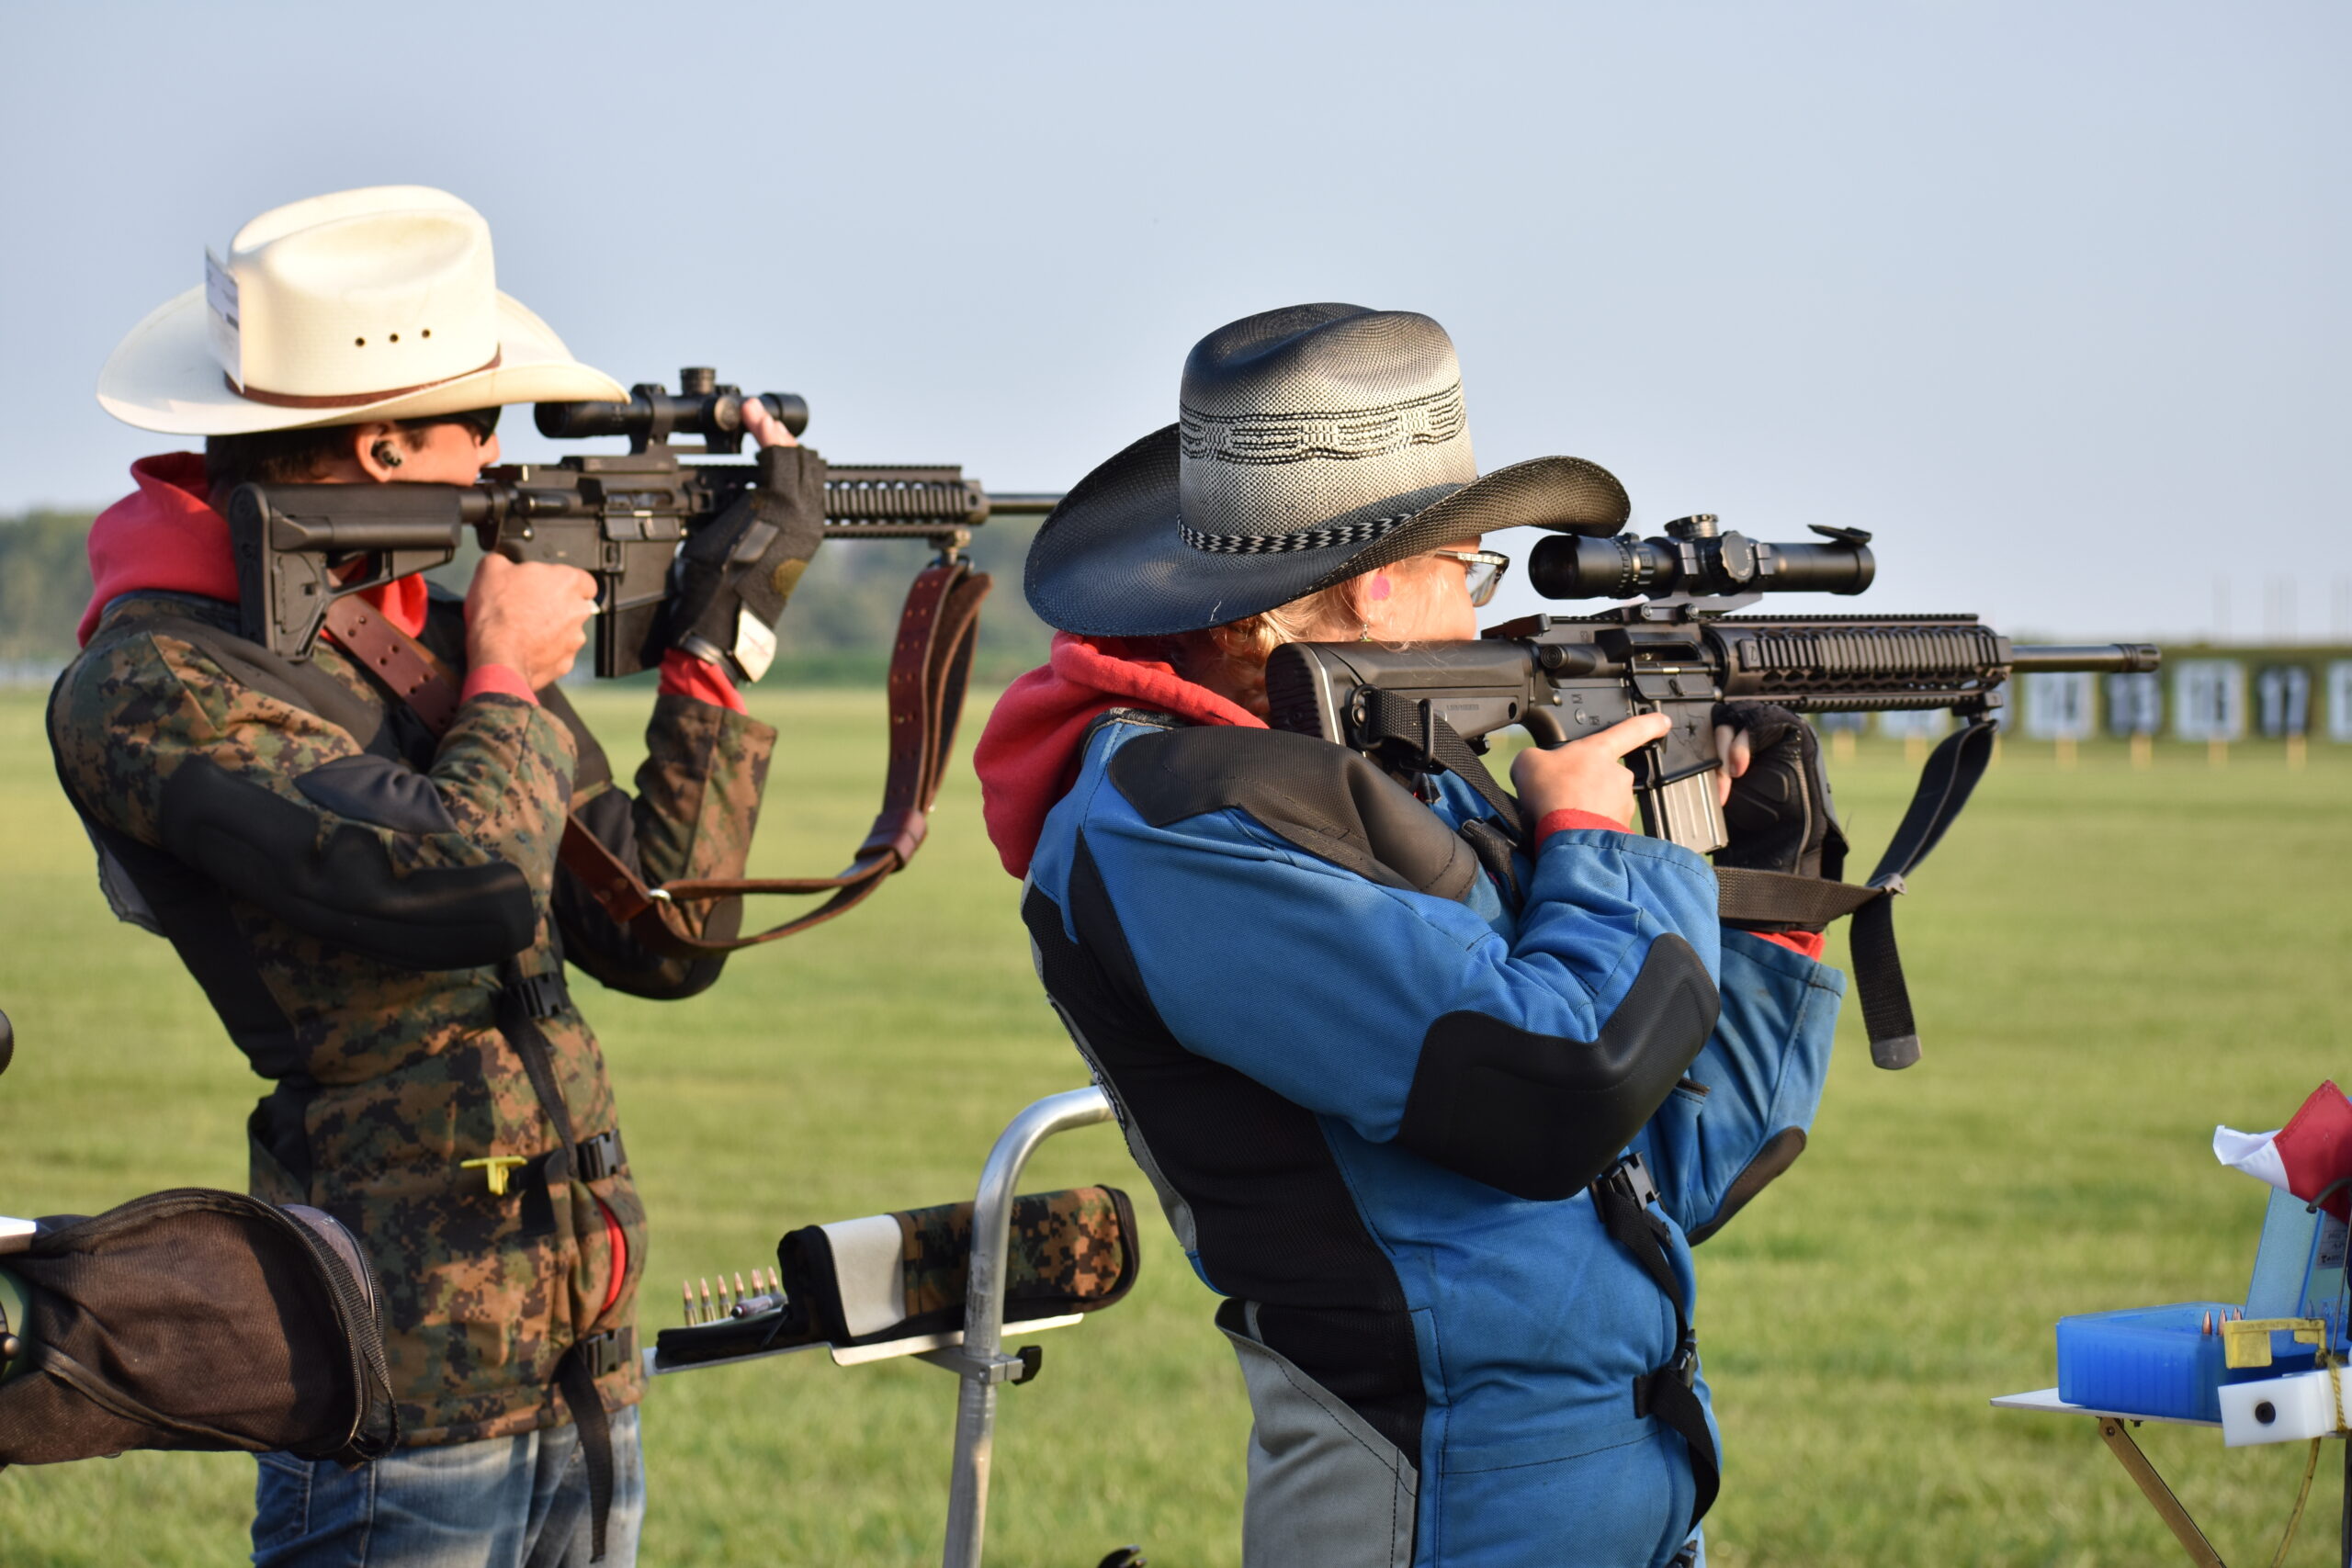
{"type": "Point", "coordinates": [2164, 1361]}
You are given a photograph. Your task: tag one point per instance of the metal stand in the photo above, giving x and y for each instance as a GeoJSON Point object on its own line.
{"type": "Point", "coordinates": [2114, 1428]}
{"type": "Point", "coordinates": [980, 1360]}
{"type": "Point", "coordinates": [974, 1352]}
{"type": "Point", "coordinates": [2152, 1486]}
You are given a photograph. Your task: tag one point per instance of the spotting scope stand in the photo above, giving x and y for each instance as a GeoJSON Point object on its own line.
{"type": "Point", "coordinates": [976, 1352]}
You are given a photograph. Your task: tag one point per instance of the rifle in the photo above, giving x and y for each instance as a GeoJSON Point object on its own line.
{"type": "Point", "coordinates": [1679, 649]}
{"type": "Point", "coordinates": [621, 519]}
{"type": "Point", "coordinates": [303, 549]}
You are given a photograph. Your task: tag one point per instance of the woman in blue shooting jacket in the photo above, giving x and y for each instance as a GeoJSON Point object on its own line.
{"type": "Point", "coordinates": [1440, 1121]}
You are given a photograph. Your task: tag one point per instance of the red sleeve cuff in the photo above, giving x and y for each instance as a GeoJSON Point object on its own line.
{"type": "Point", "coordinates": [499, 678]}
{"type": "Point", "coordinates": [1809, 944]}
{"type": "Point", "coordinates": [1560, 821]}
{"type": "Point", "coordinates": [684, 675]}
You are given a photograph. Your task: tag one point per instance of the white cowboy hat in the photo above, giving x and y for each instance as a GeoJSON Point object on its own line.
{"type": "Point", "coordinates": [363, 305]}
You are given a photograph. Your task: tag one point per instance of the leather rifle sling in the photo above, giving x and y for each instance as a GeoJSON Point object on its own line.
{"type": "Point", "coordinates": [931, 664]}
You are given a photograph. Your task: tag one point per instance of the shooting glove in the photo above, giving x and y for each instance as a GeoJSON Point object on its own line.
{"type": "Point", "coordinates": [1780, 814]}
{"type": "Point", "coordinates": [730, 579]}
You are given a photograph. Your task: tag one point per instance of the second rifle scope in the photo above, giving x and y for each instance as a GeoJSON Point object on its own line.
{"type": "Point", "coordinates": [1697, 558]}
{"type": "Point", "coordinates": [702, 407]}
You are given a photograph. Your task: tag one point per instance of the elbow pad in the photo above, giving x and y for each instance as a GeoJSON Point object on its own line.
{"type": "Point", "coordinates": [264, 847]}
{"type": "Point", "coordinates": [1541, 1115]}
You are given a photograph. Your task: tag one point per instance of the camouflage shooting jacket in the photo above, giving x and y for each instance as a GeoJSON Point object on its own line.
{"type": "Point", "coordinates": [354, 897]}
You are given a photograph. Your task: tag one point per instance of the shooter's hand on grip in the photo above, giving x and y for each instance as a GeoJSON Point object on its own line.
{"type": "Point", "coordinates": [532, 618]}
{"type": "Point", "coordinates": [1777, 807]}
{"type": "Point", "coordinates": [1587, 775]}
{"type": "Point", "coordinates": [732, 577]}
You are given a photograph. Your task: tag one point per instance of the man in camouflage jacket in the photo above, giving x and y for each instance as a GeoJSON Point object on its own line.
{"type": "Point", "coordinates": [378, 917]}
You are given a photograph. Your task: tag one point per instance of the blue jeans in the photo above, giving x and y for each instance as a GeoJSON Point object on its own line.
{"type": "Point", "coordinates": [503, 1503]}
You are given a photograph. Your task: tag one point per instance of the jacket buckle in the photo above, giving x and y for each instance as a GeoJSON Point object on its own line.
{"type": "Point", "coordinates": [1630, 1178]}
{"type": "Point", "coordinates": [595, 1158]}
{"type": "Point", "coordinates": [539, 995]}
{"type": "Point", "coordinates": [605, 1353]}
{"type": "Point", "coordinates": [1683, 1369]}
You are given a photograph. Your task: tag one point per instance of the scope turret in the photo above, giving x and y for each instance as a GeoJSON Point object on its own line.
{"type": "Point", "coordinates": [652, 416]}
{"type": "Point", "coordinates": [1697, 558]}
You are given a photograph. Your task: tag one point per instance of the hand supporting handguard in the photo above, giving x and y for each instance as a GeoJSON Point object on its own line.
{"type": "Point", "coordinates": [1779, 813]}
{"type": "Point", "coordinates": [732, 580]}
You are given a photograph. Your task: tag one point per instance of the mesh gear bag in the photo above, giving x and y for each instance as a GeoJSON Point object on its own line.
{"type": "Point", "coordinates": [196, 1319]}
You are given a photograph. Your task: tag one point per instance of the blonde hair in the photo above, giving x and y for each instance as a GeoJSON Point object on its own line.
{"type": "Point", "coordinates": [1233, 657]}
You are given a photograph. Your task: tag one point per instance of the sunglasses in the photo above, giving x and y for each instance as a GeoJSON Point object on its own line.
{"type": "Point", "coordinates": [483, 423]}
{"type": "Point", "coordinates": [1482, 571]}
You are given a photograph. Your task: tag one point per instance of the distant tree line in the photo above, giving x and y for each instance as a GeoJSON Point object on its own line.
{"type": "Point", "coordinates": [44, 584]}
{"type": "Point", "coordinates": [838, 629]}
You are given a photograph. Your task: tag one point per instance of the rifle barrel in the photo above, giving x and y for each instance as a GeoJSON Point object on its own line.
{"type": "Point", "coordinates": [2099, 658]}
{"type": "Point", "coordinates": [1021, 504]}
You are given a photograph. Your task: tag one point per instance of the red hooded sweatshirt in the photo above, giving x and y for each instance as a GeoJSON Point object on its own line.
{"type": "Point", "coordinates": [1028, 753]}
{"type": "Point", "coordinates": [166, 536]}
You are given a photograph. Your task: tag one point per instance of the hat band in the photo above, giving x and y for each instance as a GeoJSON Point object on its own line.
{"type": "Point", "coordinates": [1359, 533]}
{"type": "Point", "coordinates": [1433, 418]}
{"type": "Point", "coordinates": [351, 399]}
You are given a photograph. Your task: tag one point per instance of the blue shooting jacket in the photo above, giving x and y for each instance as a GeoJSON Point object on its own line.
{"type": "Point", "coordinates": [1358, 1066]}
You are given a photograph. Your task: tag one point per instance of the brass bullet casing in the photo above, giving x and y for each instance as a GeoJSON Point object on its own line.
{"type": "Point", "coordinates": [688, 1289]}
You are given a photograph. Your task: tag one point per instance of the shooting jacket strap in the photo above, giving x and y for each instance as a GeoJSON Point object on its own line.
{"type": "Point", "coordinates": [523, 1000]}
{"type": "Point", "coordinates": [931, 663]}
{"type": "Point", "coordinates": [1622, 1195]}
{"type": "Point", "coordinates": [576, 1379]}
{"type": "Point", "coordinates": [1772, 897]}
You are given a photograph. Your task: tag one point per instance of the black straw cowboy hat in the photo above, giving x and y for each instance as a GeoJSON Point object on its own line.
{"type": "Point", "coordinates": [1317, 442]}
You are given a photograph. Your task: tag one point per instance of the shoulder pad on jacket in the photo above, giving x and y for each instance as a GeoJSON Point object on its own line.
{"type": "Point", "coordinates": [1330, 801]}
{"type": "Point", "coordinates": [297, 684]}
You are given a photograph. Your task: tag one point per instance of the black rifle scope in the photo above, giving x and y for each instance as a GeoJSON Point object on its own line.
{"type": "Point", "coordinates": [1696, 559]}
{"type": "Point", "coordinates": [651, 415]}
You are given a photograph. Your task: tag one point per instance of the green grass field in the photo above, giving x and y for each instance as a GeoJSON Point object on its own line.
{"type": "Point", "coordinates": [2106, 961]}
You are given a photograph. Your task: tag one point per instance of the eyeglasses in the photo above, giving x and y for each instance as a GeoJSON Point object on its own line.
{"type": "Point", "coordinates": [1482, 571]}
{"type": "Point", "coordinates": [483, 423]}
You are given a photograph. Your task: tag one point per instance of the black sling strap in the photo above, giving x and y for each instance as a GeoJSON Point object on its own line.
{"type": "Point", "coordinates": [1773, 897]}
{"type": "Point", "coordinates": [1622, 1196]}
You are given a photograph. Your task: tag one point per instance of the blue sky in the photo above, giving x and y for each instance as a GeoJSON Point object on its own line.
{"type": "Point", "coordinates": [2052, 298]}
